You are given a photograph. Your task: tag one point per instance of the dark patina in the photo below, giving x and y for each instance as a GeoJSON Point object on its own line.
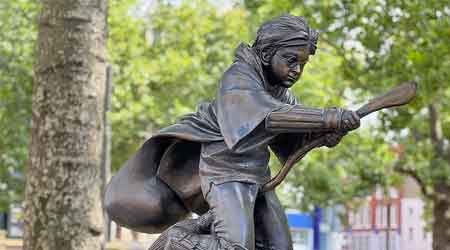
{"type": "Point", "coordinates": [214, 162]}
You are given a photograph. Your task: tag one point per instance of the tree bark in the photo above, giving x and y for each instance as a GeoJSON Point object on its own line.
{"type": "Point", "coordinates": [436, 129]}
{"type": "Point", "coordinates": [63, 191]}
{"type": "Point", "coordinates": [441, 195]}
{"type": "Point", "coordinates": [441, 200]}
{"type": "Point", "coordinates": [441, 217]}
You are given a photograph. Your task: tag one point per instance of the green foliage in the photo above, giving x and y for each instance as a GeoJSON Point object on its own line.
{"type": "Point", "coordinates": [171, 59]}
{"type": "Point", "coordinates": [156, 80]}
{"type": "Point", "coordinates": [409, 41]}
{"type": "Point", "coordinates": [354, 167]}
{"type": "Point", "coordinates": [17, 38]}
{"type": "Point", "coordinates": [380, 44]}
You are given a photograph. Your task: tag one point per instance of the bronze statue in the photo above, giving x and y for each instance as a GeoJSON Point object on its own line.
{"type": "Point", "coordinates": [216, 159]}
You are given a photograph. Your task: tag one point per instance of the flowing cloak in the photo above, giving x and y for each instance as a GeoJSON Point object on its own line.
{"type": "Point", "coordinates": [160, 184]}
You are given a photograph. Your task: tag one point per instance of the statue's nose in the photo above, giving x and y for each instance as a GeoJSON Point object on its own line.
{"type": "Point", "coordinates": [296, 70]}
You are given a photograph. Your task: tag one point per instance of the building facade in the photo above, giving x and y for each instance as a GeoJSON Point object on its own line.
{"type": "Point", "coordinates": [389, 221]}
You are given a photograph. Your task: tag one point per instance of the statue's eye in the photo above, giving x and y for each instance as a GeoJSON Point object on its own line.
{"type": "Point", "coordinates": [291, 60]}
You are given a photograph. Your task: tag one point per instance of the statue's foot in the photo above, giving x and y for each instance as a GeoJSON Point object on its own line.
{"type": "Point", "coordinates": [193, 234]}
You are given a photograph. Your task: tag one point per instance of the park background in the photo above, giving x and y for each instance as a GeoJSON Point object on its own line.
{"type": "Point", "coordinates": [162, 58]}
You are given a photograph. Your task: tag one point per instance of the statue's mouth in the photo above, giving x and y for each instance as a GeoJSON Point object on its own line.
{"type": "Point", "coordinates": [292, 78]}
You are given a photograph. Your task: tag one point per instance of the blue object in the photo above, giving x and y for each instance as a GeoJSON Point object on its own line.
{"type": "Point", "coordinates": [299, 220]}
{"type": "Point", "coordinates": [316, 233]}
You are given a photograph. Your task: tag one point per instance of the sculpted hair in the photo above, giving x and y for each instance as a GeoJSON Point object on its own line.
{"type": "Point", "coordinates": [284, 31]}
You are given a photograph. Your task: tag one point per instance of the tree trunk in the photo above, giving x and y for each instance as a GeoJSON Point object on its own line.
{"type": "Point", "coordinates": [63, 193]}
{"type": "Point", "coordinates": [441, 220]}
{"type": "Point", "coordinates": [441, 195]}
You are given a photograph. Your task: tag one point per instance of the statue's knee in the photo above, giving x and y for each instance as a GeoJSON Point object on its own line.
{"type": "Point", "coordinates": [147, 207]}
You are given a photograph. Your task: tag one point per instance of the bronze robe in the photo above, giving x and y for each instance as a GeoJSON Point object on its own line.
{"type": "Point", "coordinates": [160, 184]}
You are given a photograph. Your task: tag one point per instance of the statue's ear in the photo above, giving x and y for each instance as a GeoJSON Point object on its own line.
{"type": "Point", "coordinates": [265, 60]}
{"type": "Point", "coordinates": [266, 56]}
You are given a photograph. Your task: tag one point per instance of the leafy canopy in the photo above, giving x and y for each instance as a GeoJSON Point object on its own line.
{"type": "Point", "coordinates": [17, 37]}
{"type": "Point", "coordinates": [166, 64]}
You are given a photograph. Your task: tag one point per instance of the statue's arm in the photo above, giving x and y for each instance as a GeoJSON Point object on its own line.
{"type": "Point", "coordinates": [333, 123]}
{"type": "Point", "coordinates": [297, 118]}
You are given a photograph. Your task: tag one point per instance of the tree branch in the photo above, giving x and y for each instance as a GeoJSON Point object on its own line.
{"type": "Point", "coordinates": [417, 135]}
{"type": "Point", "coordinates": [448, 155]}
{"type": "Point", "coordinates": [400, 168]}
{"type": "Point", "coordinates": [436, 130]}
{"type": "Point", "coordinates": [413, 174]}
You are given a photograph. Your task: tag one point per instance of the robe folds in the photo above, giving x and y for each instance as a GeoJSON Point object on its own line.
{"type": "Point", "coordinates": [160, 184]}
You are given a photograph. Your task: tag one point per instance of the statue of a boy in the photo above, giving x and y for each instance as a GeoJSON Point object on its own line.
{"type": "Point", "coordinates": [217, 158]}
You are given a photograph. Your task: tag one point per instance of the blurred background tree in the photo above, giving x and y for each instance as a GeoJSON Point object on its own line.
{"type": "Point", "coordinates": [170, 57]}
{"type": "Point", "coordinates": [383, 43]}
{"type": "Point", "coordinates": [165, 64]}
{"type": "Point", "coordinates": [162, 72]}
{"type": "Point", "coordinates": [17, 41]}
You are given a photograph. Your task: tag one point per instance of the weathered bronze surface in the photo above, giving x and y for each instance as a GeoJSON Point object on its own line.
{"type": "Point", "coordinates": [216, 159]}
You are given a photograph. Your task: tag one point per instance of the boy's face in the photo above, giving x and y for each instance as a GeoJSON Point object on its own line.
{"type": "Point", "coordinates": [287, 65]}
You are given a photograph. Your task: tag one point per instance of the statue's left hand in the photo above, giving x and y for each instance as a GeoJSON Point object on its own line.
{"type": "Point", "coordinates": [333, 139]}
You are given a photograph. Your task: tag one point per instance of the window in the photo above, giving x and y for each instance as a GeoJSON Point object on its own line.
{"type": "Point", "coordinates": [393, 216]}
{"type": "Point", "coordinates": [393, 241]}
{"type": "Point", "coordinates": [411, 233]}
{"type": "Point", "coordinates": [382, 241]}
{"type": "Point", "coordinates": [384, 218]}
{"type": "Point", "coordinates": [366, 242]}
{"type": "Point", "coordinates": [378, 216]}
{"type": "Point", "coordinates": [358, 243]}
{"type": "Point", "coordinates": [366, 217]}
{"type": "Point", "coordinates": [351, 218]}
{"type": "Point", "coordinates": [361, 217]}
{"type": "Point", "coordinates": [354, 243]}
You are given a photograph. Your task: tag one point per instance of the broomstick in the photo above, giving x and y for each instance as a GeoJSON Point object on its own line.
{"type": "Point", "coordinates": [397, 96]}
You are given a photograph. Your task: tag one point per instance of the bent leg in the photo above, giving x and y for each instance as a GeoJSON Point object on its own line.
{"type": "Point", "coordinates": [232, 205]}
{"type": "Point", "coordinates": [148, 206]}
{"type": "Point", "coordinates": [272, 230]}
{"type": "Point", "coordinates": [136, 198]}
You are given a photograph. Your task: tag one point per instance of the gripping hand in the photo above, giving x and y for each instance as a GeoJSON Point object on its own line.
{"type": "Point", "coordinates": [350, 120]}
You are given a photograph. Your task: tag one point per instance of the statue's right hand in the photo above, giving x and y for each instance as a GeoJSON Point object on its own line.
{"type": "Point", "coordinates": [350, 120]}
